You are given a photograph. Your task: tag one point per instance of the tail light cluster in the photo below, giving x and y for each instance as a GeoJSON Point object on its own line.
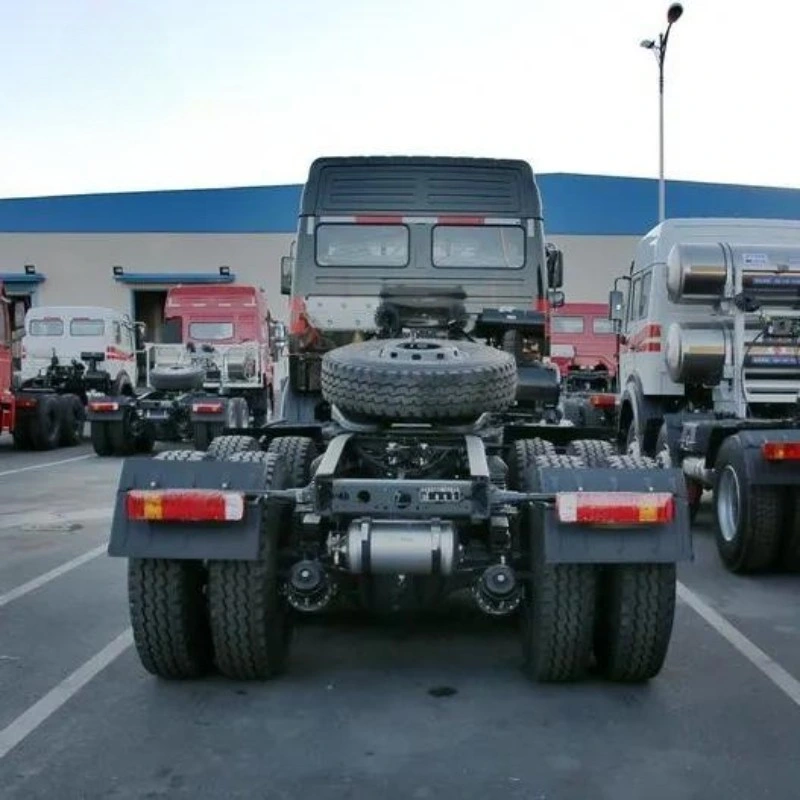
{"type": "Point", "coordinates": [781, 451]}
{"type": "Point", "coordinates": [615, 508]}
{"type": "Point", "coordinates": [603, 400]}
{"type": "Point", "coordinates": [207, 408]}
{"type": "Point", "coordinates": [184, 505]}
{"type": "Point", "coordinates": [103, 406]}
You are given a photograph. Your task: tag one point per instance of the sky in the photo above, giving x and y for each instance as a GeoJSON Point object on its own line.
{"type": "Point", "coordinates": [130, 95]}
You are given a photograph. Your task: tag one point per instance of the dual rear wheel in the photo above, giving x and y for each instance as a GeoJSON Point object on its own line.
{"type": "Point", "coordinates": [618, 616]}
{"type": "Point", "coordinates": [189, 616]}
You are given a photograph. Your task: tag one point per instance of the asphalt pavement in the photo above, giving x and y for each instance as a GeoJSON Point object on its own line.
{"type": "Point", "coordinates": [423, 708]}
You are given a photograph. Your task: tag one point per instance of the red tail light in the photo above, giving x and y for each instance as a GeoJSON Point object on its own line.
{"type": "Point", "coordinates": [781, 451]}
{"type": "Point", "coordinates": [26, 402]}
{"type": "Point", "coordinates": [207, 408]}
{"type": "Point", "coordinates": [185, 505]}
{"type": "Point", "coordinates": [603, 400]}
{"type": "Point", "coordinates": [615, 508]}
{"type": "Point", "coordinates": [102, 405]}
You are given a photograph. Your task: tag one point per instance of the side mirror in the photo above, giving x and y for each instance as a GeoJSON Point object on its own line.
{"type": "Point", "coordinates": [616, 306]}
{"type": "Point", "coordinates": [287, 265]}
{"type": "Point", "coordinates": [555, 266]}
{"type": "Point", "coordinates": [556, 298]}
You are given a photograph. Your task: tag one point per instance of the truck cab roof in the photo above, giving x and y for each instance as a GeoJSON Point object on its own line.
{"type": "Point", "coordinates": [654, 247]}
{"type": "Point", "coordinates": [103, 312]}
{"type": "Point", "coordinates": [217, 296]}
{"type": "Point", "coordinates": [421, 184]}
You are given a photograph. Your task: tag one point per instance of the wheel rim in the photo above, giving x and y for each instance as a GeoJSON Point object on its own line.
{"type": "Point", "coordinates": [728, 504]}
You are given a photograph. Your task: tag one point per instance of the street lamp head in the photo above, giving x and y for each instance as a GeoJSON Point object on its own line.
{"type": "Point", "coordinates": [648, 44]}
{"type": "Point", "coordinates": [674, 13]}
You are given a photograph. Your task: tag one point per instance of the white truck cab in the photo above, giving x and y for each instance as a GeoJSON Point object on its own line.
{"type": "Point", "coordinates": [666, 335]}
{"type": "Point", "coordinates": [709, 374]}
{"type": "Point", "coordinates": [75, 332]}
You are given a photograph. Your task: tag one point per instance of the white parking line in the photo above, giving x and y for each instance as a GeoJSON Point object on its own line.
{"type": "Point", "coordinates": [788, 684]}
{"type": "Point", "coordinates": [47, 464]}
{"type": "Point", "coordinates": [35, 583]}
{"type": "Point", "coordinates": [27, 722]}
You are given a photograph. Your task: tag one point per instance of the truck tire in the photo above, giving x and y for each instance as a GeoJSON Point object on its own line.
{"type": "Point", "coordinates": [179, 378]}
{"type": "Point", "coordinates": [593, 452]}
{"type": "Point", "coordinates": [426, 379]}
{"type": "Point", "coordinates": [47, 423]}
{"type": "Point", "coordinates": [168, 610]}
{"type": "Point", "coordinates": [143, 443]}
{"type": "Point", "coordinates": [635, 610]}
{"type": "Point", "coordinates": [298, 453]}
{"type": "Point", "coordinates": [631, 462]}
{"type": "Point", "coordinates": [522, 454]}
{"type": "Point", "coordinates": [790, 546]}
{"type": "Point", "coordinates": [180, 455]}
{"type": "Point", "coordinates": [559, 605]}
{"type": "Point", "coordinates": [748, 519]}
{"type": "Point", "coordinates": [169, 617]}
{"type": "Point", "coordinates": [223, 447]}
{"type": "Point", "coordinates": [100, 434]}
{"type": "Point", "coordinates": [203, 433]}
{"type": "Point", "coordinates": [251, 622]}
{"type": "Point", "coordinates": [73, 420]}
{"type": "Point", "coordinates": [123, 442]}
{"type": "Point", "coordinates": [23, 440]}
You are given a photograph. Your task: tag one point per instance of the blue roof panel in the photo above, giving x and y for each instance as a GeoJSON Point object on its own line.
{"type": "Point", "coordinates": [573, 205]}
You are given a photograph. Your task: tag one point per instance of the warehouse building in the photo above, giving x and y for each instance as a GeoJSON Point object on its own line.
{"type": "Point", "coordinates": [125, 250]}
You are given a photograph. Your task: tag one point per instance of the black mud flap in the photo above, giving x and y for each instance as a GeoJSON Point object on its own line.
{"type": "Point", "coordinates": [205, 415]}
{"type": "Point", "coordinates": [651, 543]}
{"type": "Point", "coordinates": [762, 472]}
{"type": "Point", "coordinates": [116, 415]}
{"type": "Point", "coordinates": [193, 541]}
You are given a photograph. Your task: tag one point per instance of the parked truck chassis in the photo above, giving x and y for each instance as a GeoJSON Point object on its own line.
{"type": "Point", "coordinates": [411, 460]}
{"type": "Point", "coordinates": [710, 372]}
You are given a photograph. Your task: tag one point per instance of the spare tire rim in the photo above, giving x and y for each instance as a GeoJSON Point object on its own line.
{"type": "Point", "coordinates": [728, 504]}
{"type": "Point", "coordinates": [424, 351]}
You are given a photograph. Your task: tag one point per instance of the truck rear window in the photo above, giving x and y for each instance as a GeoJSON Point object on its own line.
{"type": "Point", "coordinates": [567, 324]}
{"type": "Point", "coordinates": [87, 327]}
{"type": "Point", "coordinates": [210, 331]}
{"type": "Point", "coordinates": [47, 326]}
{"type": "Point", "coordinates": [343, 245]}
{"type": "Point", "coordinates": [479, 246]}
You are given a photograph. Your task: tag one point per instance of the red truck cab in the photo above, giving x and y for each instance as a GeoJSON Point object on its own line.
{"type": "Point", "coordinates": [222, 316]}
{"type": "Point", "coordinates": [583, 340]}
{"type": "Point", "coordinates": [6, 395]}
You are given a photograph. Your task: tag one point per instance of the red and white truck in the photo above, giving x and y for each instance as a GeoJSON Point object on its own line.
{"type": "Point", "coordinates": [214, 372]}
{"type": "Point", "coordinates": [68, 355]}
{"type": "Point", "coordinates": [584, 345]}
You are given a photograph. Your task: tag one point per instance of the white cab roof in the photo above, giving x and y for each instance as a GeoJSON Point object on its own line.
{"type": "Point", "coordinates": [654, 246]}
{"type": "Point", "coordinates": [95, 312]}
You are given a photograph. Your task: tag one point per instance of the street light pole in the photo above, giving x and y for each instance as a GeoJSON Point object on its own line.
{"type": "Point", "coordinates": [660, 50]}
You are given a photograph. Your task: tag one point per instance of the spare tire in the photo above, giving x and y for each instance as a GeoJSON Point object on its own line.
{"type": "Point", "coordinates": [178, 378]}
{"type": "Point", "coordinates": [419, 379]}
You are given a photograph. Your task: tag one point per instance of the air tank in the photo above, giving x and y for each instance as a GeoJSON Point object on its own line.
{"type": "Point", "coordinates": [695, 355]}
{"type": "Point", "coordinates": [696, 273]}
